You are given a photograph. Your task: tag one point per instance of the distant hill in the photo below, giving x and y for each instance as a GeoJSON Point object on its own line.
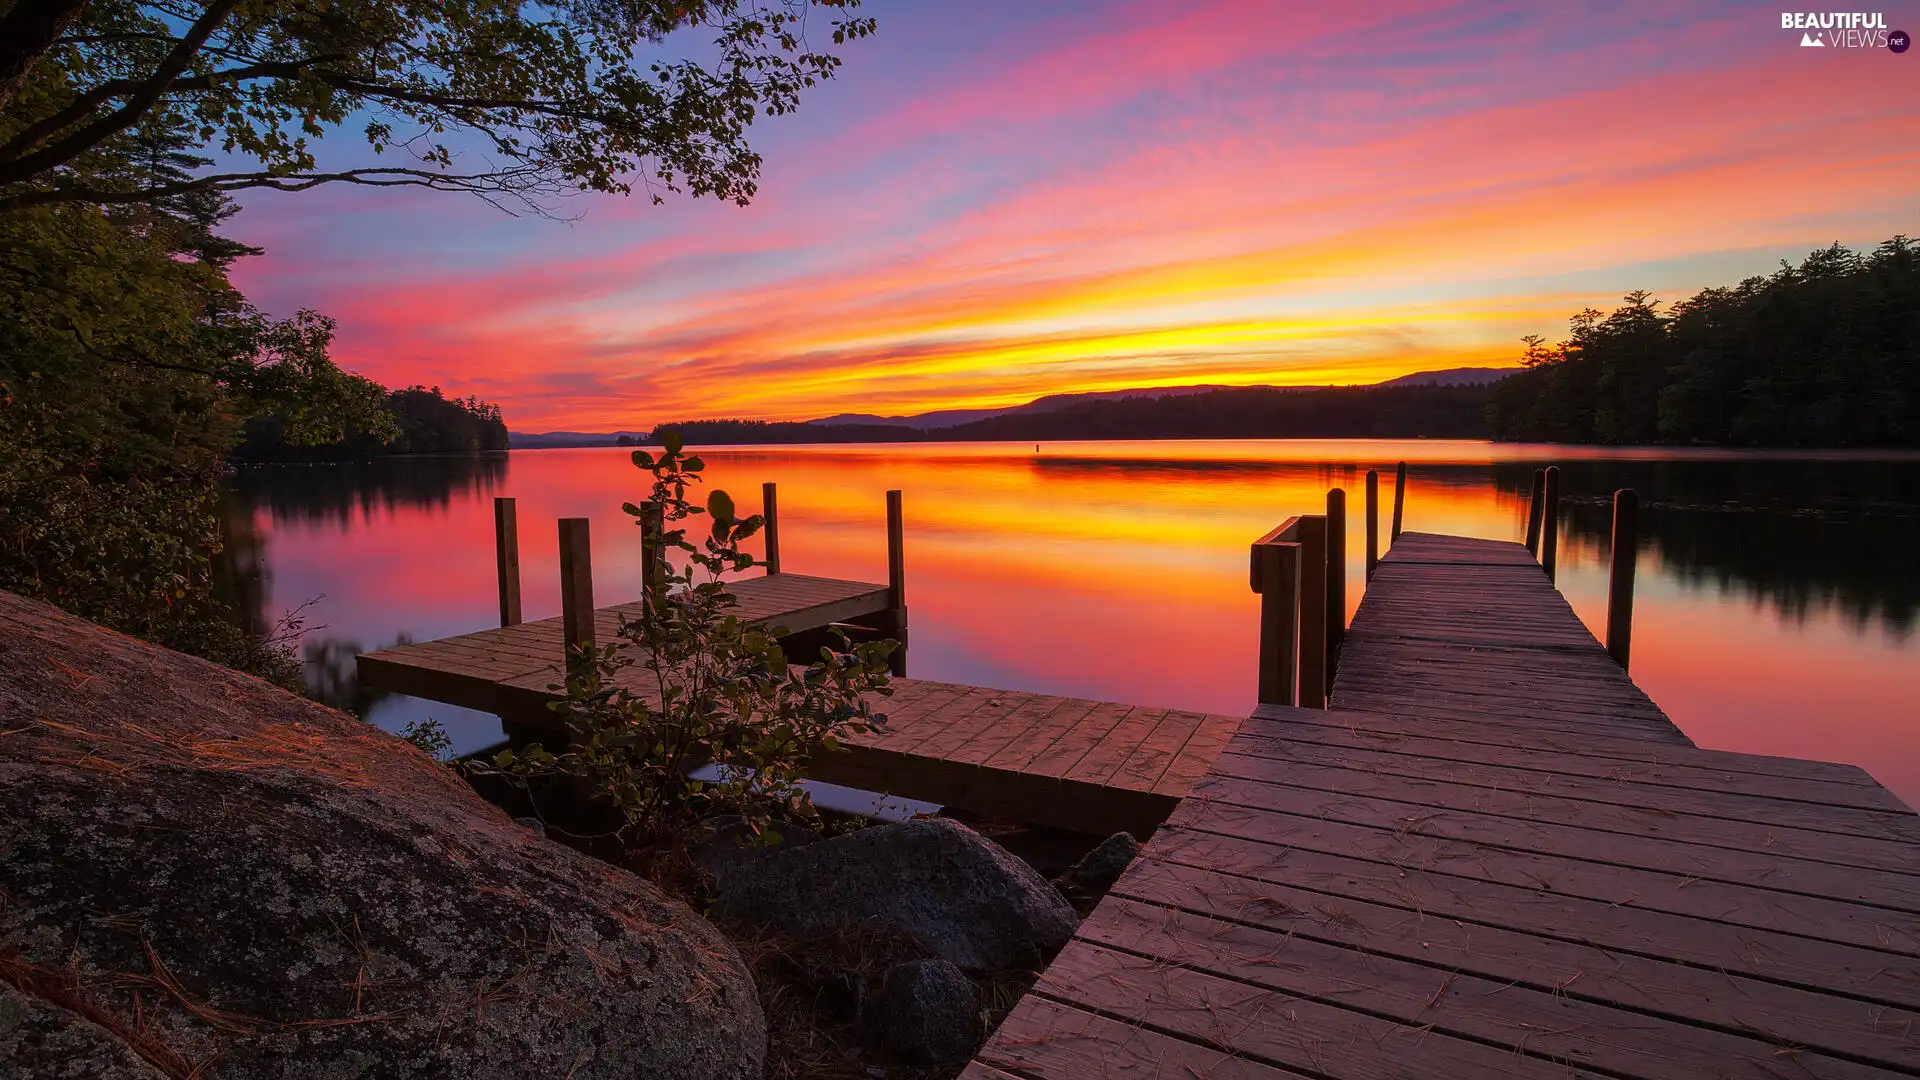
{"type": "Point", "coordinates": [1239, 412]}
{"type": "Point", "coordinates": [556, 440]}
{"type": "Point", "coordinates": [942, 418]}
{"type": "Point", "coordinates": [1460, 376]}
{"type": "Point", "coordinates": [1017, 421]}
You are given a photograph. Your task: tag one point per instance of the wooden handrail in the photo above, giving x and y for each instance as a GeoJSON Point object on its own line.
{"type": "Point", "coordinates": [1336, 597]}
{"type": "Point", "coordinates": [770, 510]}
{"type": "Point", "coordinates": [1550, 524]}
{"type": "Point", "coordinates": [1626, 550]}
{"type": "Point", "coordinates": [1399, 500]}
{"type": "Point", "coordinates": [1535, 503]}
{"type": "Point", "coordinates": [1373, 522]}
{"type": "Point", "coordinates": [1288, 568]}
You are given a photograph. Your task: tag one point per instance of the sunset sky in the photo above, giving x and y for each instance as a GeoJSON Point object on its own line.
{"type": "Point", "coordinates": [999, 200]}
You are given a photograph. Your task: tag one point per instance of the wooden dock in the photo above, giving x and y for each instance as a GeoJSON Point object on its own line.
{"type": "Point", "coordinates": [1494, 857]}
{"type": "Point", "coordinates": [1454, 839]}
{"type": "Point", "coordinates": [1070, 763]}
{"type": "Point", "coordinates": [510, 670]}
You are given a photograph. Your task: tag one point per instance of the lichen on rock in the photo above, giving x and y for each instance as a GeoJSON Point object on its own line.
{"type": "Point", "coordinates": [265, 887]}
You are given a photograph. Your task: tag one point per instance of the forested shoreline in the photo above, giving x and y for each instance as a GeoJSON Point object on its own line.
{"type": "Point", "coordinates": [420, 420]}
{"type": "Point", "coordinates": [1826, 353]}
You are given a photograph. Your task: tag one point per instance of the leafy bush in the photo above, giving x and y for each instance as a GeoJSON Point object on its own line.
{"type": "Point", "coordinates": [689, 683]}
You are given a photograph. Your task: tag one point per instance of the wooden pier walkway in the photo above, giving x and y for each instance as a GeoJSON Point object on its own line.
{"type": "Point", "coordinates": [1494, 857]}
{"type": "Point", "coordinates": [1478, 850]}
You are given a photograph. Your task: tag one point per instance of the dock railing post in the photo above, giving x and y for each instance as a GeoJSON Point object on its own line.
{"type": "Point", "coordinates": [1626, 549]}
{"type": "Point", "coordinates": [1313, 611]}
{"type": "Point", "coordinates": [1399, 500]}
{"type": "Point", "coordinates": [1277, 579]}
{"type": "Point", "coordinates": [1373, 521]}
{"type": "Point", "coordinates": [897, 581]}
{"type": "Point", "coordinates": [506, 557]}
{"type": "Point", "coordinates": [770, 509]}
{"type": "Point", "coordinates": [1534, 500]}
{"type": "Point", "coordinates": [1550, 524]}
{"type": "Point", "coordinates": [1336, 578]}
{"type": "Point", "coordinates": [576, 593]}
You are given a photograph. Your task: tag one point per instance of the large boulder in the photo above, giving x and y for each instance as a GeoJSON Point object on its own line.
{"type": "Point", "coordinates": [1098, 869]}
{"type": "Point", "coordinates": [923, 1012]}
{"type": "Point", "coordinates": [216, 874]}
{"type": "Point", "coordinates": [961, 895]}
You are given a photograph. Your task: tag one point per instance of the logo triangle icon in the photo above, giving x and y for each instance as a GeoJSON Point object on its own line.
{"type": "Point", "coordinates": [1808, 41]}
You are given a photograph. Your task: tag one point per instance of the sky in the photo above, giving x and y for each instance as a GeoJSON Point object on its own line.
{"type": "Point", "coordinates": [1000, 200]}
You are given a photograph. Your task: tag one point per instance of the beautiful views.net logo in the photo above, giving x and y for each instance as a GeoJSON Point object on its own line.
{"type": "Point", "coordinates": [1844, 30]}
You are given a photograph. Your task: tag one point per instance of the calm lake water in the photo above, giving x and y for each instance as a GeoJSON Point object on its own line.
{"type": "Point", "coordinates": [1776, 609]}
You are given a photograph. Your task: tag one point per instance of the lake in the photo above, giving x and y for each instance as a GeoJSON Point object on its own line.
{"type": "Point", "coordinates": [1776, 609]}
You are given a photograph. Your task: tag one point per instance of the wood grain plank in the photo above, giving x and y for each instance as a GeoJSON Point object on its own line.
{"type": "Point", "coordinates": [1779, 1014]}
{"type": "Point", "coordinates": [1505, 1012]}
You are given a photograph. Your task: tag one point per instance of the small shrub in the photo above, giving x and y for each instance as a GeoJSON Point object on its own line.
{"type": "Point", "coordinates": [430, 736]}
{"type": "Point", "coordinates": [690, 684]}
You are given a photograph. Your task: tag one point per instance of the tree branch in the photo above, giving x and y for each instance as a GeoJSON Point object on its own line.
{"type": "Point", "coordinates": [520, 183]}
{"type": "Point", "coordinates": [138, 102]}
{"type": "Point", "coordinates": [27, 31]}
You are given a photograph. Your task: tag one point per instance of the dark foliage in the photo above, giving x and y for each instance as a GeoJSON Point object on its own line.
{"type": "Point", "coordinates": [427, 421]}
{"type": "Point", "coordinates": [756, 432]}
{"type": "Point", "coordinates": [1826, 353]}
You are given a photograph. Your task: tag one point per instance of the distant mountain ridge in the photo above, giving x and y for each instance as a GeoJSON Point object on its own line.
{"type": "Point", "coordinates": [558, 440]}
{"type": "Point", "coordinates": [1051, 403]}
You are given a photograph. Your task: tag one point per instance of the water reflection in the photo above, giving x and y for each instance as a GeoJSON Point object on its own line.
{"type": "Point", "coordinates": [344, 491]}
{"type": "Point", "coordinates": [1776, 614]}
{"type": "Point", "coordinates": [1801, 536]}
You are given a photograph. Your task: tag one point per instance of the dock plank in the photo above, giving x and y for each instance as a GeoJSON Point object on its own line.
{"type": "Point", "coordinates": [1495, 857]}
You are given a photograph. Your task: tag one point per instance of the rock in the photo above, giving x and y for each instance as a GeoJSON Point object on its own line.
{"type": "Point", "coordinates": [962, 896]}
{"type": "Point", "coordinates": [924, 1012]}
{"type": "Point", "coordinates": [47, 1042]}
{"type": "Point", "coordinates": [728, 843]}
{"type": "Point", "coordinates": [532, 824]}
{"type": "Point", "coordinates": [1096, 871]}
{"type": "Point", "coordinates": [289, 892]}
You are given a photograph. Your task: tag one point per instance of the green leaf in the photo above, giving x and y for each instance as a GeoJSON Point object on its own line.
{"type": "Point", "coordinates": [673, 441]}
{"type": "Point", "coordinates": [630, 509]}
{"type": "Point", "coordinates": [642, 459]}
{"type": "Point", "coordinates": [720, 505]}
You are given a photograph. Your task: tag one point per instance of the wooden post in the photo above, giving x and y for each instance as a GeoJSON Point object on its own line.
{"type": "Point", "coordinates": [506, 558]}
{"type": "Point", "coordinates": [770, 509]}
{"type": "Point", "coordinates": [576, 591]}
{"type": "Point", "coordinates": [1399, 500]}
{"type": "Point", "coordinates": [1533, 511]}
{"type": "Point", "coordinates": [1550, 524]}
{"type": "Point", "coordinates": [1626, 549]}
{"type": "Point", "coordinates": [1313, 611]}
{"type": "Point", "coordinates": [1278, 566]}
{"type": "Point", "coordinates": [653, 557]}
{"type": "Point", "coordinates": [1336, 578]}
{"type": "Point", "coordinates": [1373, 521]}
{"type": "Point", "coordinates": [897, 580]}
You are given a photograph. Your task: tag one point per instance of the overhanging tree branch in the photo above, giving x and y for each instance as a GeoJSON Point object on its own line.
{"type": "Point", "coordinates": [150, 91]}
{"type": "Point", "coordinates": [27, 31]}
{"type": "Point", "coordinates": [518, 183]}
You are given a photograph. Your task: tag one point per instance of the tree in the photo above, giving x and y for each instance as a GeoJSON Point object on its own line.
{"type": "Point", "coordinates": [572, 95]}
{"type": "Point", "coordinates": [1824, 353]}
